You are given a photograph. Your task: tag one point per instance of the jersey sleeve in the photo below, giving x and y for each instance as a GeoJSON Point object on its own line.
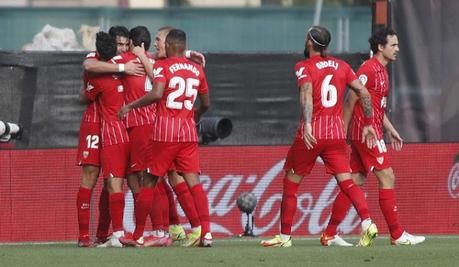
{"type": "Point", "coordinates": [350, 74]}
{"type": "Point", "coordinates": [119, 59]}
{"type": "Point", "coordinates": [203, 86]}
{"type": "Point", "coordinates": [92, 55]}
{"type": "Point", "coordinates": [366, 76]}
{"type": "Point", "coordinates": [91, 91]}
{"type": "Point", "coordinates": [302, 74]}
{"type": "Point", "coordinates": [159, 73]}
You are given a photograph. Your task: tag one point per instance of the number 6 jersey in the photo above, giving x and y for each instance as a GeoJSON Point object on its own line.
{"type": "Point", "coordinates": [329, 77]}
{"type": "Point", "coordinates": [183, 80]}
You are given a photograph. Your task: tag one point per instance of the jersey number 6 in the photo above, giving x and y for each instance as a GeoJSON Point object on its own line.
{"type": "Point", "coordinates": [328, 92]}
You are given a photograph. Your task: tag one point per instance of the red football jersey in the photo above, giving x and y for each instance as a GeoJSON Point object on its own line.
{"type": "Point", "coordinates": [329, 77]}
{"type": "Point", "coordinates": [107, 90]}
{"type": "Point", "coordinates": [183, 80]}
{"type": "Point", "coordinates": [91, 113]}
{"type": "Point", "coordinates": [375, 78]}
{"type": "Point", "coordinates": [135, 87]}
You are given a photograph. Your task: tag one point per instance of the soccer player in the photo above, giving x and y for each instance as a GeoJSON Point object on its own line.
{"type": "Point", "coordinates": [88, 153]}
{"type": "Point", "coordinates": [373, 74]}
{"type": "Point", "coordinates": [322, 81]}
{"type": "Point", "coordinates": [108, 91]}
{"type": "Point", "coordinates": [177, 82]}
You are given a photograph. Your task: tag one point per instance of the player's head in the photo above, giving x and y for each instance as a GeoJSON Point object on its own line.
{"type": "Point", "coordinates": [175, 43]}
{"type": "Point", "coordinates": [385, 43]}
{"type": "Point", "coordinates": [105, 45]}
{"type": "Point", "coordinates": [317, 39]}
{"type": "Point", "coordinates": [139, 35]}
{"type": "Point", "coordinates": [160, 41]}
{"type": "Point", "coordinates": [121, 34]}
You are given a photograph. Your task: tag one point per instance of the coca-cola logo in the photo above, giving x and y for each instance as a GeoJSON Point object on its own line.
{"type": "Point", "coordinates": [453, 181]}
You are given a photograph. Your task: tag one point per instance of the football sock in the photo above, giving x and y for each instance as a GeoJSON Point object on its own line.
{"type": "Point", "coordinates": [388, 206]}
{"type": "Point", "coordinates": [164, 205]}
{"type": "Point", "coordinates": [84, 209]}
{"type": "Point", "coordinates": [173, 214]}
{"type": "Point", "coordinates": [116, 208]}
{"type": "Point", "coordinates": [288, 206]}
{"type": "Point", "coordinates": [143, 207]}
{"type": "Point", "coordinates": [186, 201]}
{"type": "Point", "coordinates": [355, 194]}
{"type": "Point", "coordinates": [202, 207]}
{"type": "Point", "coordinates": [156, 213]}
{"type": "Point", "coordinates": [103, 225]}
{"type": "Point", "coordinates": [339, 210]}
{"type": "Point", "coordinates": [284, 238]}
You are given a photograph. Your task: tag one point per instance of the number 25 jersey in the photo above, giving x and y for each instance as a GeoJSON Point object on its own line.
{"type": "Point", "coordinates": [183, 80]}
{"type": "Point", "coordinates": [329, 77]}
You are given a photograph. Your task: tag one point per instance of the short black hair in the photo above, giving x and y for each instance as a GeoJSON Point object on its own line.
{"type": "Point", "coordinates": [320, 38]}
{"type": "Point", "coordinates": [176, 36]}
{"type": "Point", "coordinates": [139, 35]}
{"type": "Point", "coordinates": [105, 45]}
{"type": "Point", "coordinates": [118, 31]}
{"type": "Point", "coordinates": [379, 37]}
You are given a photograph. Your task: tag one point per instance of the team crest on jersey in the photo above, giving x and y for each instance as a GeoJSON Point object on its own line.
{"type": "Point", "coordinates": [85, 154]}
{"type": "Point", "coordinates": [380, 160]}
{"type": "Point", "coordinates": [300, 74]}
{"type": "Point", "coordinates": [157, 72]}
{"type": "Point", "coordinates": [120, 88]}
{"type": "Point", "coordinates": [89, 87]}
{"type": "Point", "coordinates": [363, 79]}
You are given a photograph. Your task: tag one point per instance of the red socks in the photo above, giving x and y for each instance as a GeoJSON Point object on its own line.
{"type": "Point", "coordinates": [202, 207]}
{"type": "Point", "coordinates": [143, 207]}
{"type": "Point", "coordinates": [355, 194]}
{"type": "Point", "coordinates": [164, 205]}
{"type": "Point", "coordinates": [156, 214]}
{"type": "Point", "coordinates": [116, 208]}
{"type": "Point", "coordinates": [173, 215]}
{"type": "Point", "coordinates": [388, 207]}
{"type": "Point", "coordinates": [340, 208]}
{"type": "Point", "coordinates": [288, 205]}
{"type": "Point", "coordinates": [104, 216]}
{"type": "Point", "coordinates": [187, 203]}
{"type": "Point", "coordinates": [83, 208]}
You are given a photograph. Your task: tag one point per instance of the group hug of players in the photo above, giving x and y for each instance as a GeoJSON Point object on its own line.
{"type": "Point", "coordinates": [139, 125]}
{"type": "Point", "coordinates": [148, 130]}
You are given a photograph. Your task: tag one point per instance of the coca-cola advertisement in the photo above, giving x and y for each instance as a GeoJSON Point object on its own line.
{"type": "Point", "coordinates": [38, 191]}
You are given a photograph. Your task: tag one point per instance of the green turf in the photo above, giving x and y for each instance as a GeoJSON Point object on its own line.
{"type": "Point", "coordinates": [436, 251]}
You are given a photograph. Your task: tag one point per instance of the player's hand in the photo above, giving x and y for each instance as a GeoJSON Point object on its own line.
{"type": "Point", "coordinates": [123, 111]}
{"type": "Point", "coordinates": [395, 140]}
{"type": "Point", "coordinates": [133, 67]}
{"type": "Point", "coordinates": [139, 50]}
{"type": "Point", "coordinates": [308, 138]}
{"type": "Point", "coordinates": [369, 136]}
{"type": "Point", "coordinates": [198, 58]}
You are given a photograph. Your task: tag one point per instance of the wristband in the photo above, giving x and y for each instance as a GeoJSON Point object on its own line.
{"type": "Point", "coordinates": [120, 67]}
{"type": "Point", "coordinates": [188, 53]}
{"type": "Point", "coordinates": [368, 121]}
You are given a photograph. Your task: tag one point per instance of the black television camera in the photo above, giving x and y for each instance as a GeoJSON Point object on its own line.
{"type": "Point", "coordinates": [9, 130]}
{"type": "Point", "coordinates": [212, 128]}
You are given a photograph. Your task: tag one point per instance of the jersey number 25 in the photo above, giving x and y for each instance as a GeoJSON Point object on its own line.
{"type": "Point", "coordinates": [189, 87]}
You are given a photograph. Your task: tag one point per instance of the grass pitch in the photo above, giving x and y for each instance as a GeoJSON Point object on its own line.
{"type": "Point", "coordinates": [435, 251]}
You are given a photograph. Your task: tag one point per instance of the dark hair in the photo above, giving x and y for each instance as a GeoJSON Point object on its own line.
{"type": "Point", "coordinates": [105, 45]}
{"type": "Point", "coordinates": [118, 31]}
{"type": "Point", "coordinates": [176, 36]}
{"type": "Point", "coordinates": [320, 38]}
{"type": "Point", "coordinates": [139, 35]}
{"type": "Point", "coordinates": [379, 37]}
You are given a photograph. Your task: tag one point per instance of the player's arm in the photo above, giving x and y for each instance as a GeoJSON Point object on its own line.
{"type": "Point", "coordinates": [196, 57]}
{"type": "Point", "coordinates": [369, 133]}
{"type": "Point", "coordinates": [204, 104]}
{"type": "Point", "coordinates": [153, 96]}
{"type": "Point", "coordinates": [395, 139]}
{"type": "Point", "coordinates": [306, 107]}
{"type": "Point", "coordinates": [139, 51]}
{"type": "Point", "coordinates": [349, 104]}
{"type": "Point", "coordinates": [96, 66]}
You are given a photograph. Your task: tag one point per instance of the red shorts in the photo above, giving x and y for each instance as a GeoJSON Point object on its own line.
{"type": "Point", "coordinates": [364, 159]}
{"type": "Point", "coordinates": [185, 157]}
{"type": "Point", "coordinates": [115, 160]}
{"type": "Point", "coordinates": [88, 144]}
{"type": "Point", "coordinates": [139, 142]}
{"type": "Point", "coordinates": [334, 153]}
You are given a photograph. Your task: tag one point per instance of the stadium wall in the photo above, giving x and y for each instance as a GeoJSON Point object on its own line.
{"type": "Point", "coordinates": [38, 190]}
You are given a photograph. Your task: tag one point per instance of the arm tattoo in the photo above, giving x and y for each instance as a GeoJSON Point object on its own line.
{"type": "Point", "coordinates": [307, 112]}
{"type": "Point", "coordinates": [366, 105]}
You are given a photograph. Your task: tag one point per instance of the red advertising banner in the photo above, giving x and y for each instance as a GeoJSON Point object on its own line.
{"type": "Point", "coordinates": [38, 192]}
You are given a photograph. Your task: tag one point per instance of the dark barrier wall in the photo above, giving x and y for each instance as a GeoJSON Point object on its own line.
{"type": "Point", "coordinates": [425, 99]}
{"type": "Point", "coordinates": [257, 92]}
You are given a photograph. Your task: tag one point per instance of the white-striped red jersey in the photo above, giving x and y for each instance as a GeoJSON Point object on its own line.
{"type": "Point", "coordinates": [329, 77]}
{"type": "Point", "coordinates": [108, 91]}
{"type": "Point", "coordinates": [376, 79]}
{"type": "Point", "coordinates": [91, 114]}
{"type": "Point", "coordinates": [183, 80]}
{"type": "Point", "coordinates": [134, 88]}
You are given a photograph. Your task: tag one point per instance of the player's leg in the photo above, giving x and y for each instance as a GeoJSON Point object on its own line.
{"type": "Point", "coordinates": [175, 228]}
{"type": "Point", "coordinates": [88, 181]}
{"type": "Point", "coordinates": [103, 225]}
